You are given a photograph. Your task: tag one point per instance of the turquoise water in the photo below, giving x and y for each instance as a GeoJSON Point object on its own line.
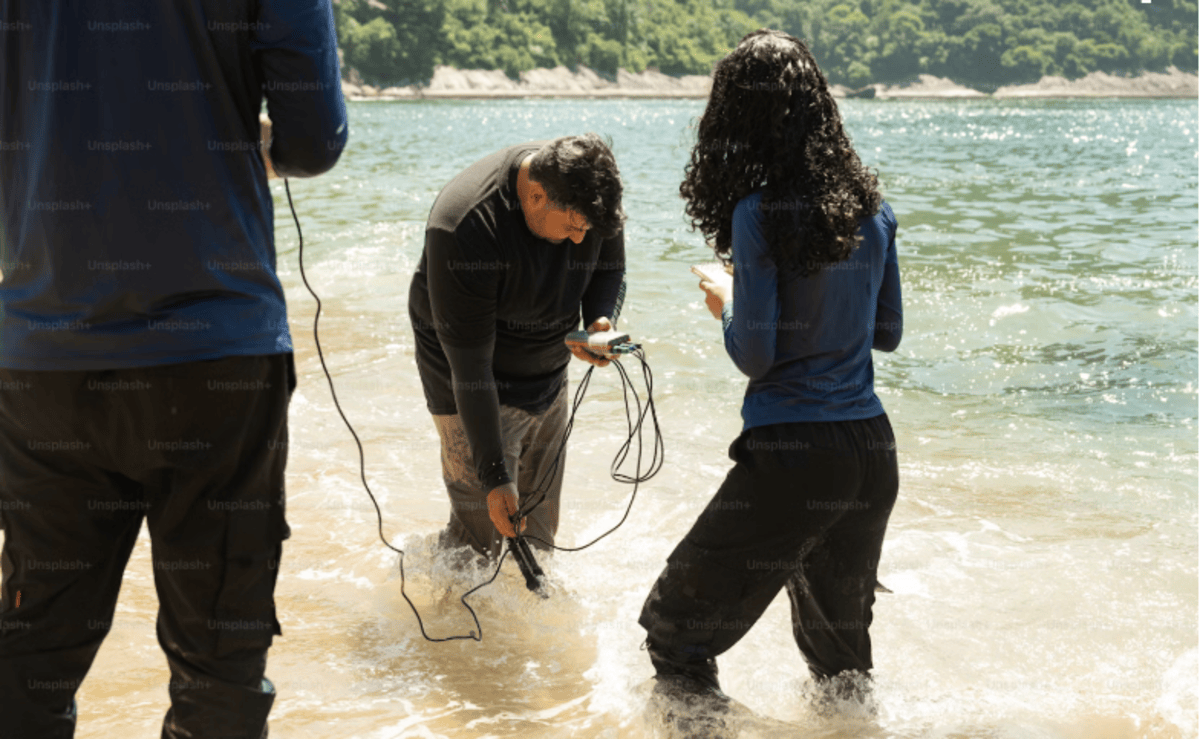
{"type": "Point", "coordinates": [1043, 554]}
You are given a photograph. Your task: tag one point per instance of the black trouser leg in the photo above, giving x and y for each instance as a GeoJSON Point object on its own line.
{"type": "Point", "coordinates": [66, 574]}
{"type": "Point", "coordinates": [832, 596]}
{"type": "Point", "coordinates": [69, 528]}
{"type": "Point", "coordinates": [216, 525]}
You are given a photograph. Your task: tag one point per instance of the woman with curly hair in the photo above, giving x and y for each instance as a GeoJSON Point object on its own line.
{"type": "Point", "coordinates": [776, 187]}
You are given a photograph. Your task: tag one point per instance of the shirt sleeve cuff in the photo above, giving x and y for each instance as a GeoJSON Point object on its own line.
{"type": "Point", "coordinates": [495, 476]}
{"type": "Point", "coordinates": [727, 316]}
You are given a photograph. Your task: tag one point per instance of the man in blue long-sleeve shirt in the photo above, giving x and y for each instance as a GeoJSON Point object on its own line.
{"type": "Point", "coordinates": [145, 358]}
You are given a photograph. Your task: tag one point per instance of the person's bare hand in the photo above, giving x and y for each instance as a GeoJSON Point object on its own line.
{"type": "Point", "coordinates": [600, 324]}
{"type": "Point", "coordinates": [503, 504]}
{"type": "Point", "coordinates": [264, 147]}
{"type": "Point", "coordinates": [718, 290]}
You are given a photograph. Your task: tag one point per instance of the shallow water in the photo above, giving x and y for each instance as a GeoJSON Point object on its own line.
{"type": "Point", "coordinates": [1043, 552]}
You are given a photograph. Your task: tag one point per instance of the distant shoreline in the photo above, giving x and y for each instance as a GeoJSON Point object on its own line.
{"type": "Point", "coordinates": [473, 84]}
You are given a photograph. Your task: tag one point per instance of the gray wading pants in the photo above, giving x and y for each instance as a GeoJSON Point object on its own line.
{"type": "Point", "coordinates": [805, 507]}
{"type": "Point", "coordinates": [198, 451]}
{"type": "Point", "coordinates": [531, 448]}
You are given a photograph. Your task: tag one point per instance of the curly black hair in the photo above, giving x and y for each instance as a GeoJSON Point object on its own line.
{"type": "Point", "coordinates": [580, 173]}
{"type": "Point", "coordinates": [772, 125]}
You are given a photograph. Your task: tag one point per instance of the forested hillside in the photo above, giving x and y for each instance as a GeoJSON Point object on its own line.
{"type": "Point", "coordinates": [980, 43]}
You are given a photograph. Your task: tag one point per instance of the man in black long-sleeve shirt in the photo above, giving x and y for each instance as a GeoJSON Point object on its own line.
{"type": "Point", "coordinates": [518, 248]}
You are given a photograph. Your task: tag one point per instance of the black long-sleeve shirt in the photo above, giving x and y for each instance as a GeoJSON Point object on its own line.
{"type": "Point", "coordinates": [491, 304]}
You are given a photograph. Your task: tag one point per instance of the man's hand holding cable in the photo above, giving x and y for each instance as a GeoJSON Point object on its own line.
{"type": "Point", "coordinates": [503, 504]}
{"type": "Point", "coordinates": [600, 324]}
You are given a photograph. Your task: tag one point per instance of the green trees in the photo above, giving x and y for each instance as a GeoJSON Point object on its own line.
{"type": "Point", "coordinates": [495, 34]}
{"type": "Point", "coordinates": [688, 36]}
{"type": "Point", "coordinates": [983, 43]}
{"type": "Point", "coordinates": [391, 40]}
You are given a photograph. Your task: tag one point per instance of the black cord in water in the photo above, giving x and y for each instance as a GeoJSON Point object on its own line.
{"type": "Point", "coordinates": [622, 454]}
{"type": "Point", "coordinates": [362, 463]}
{"type": "Point", "coordinates": [656, 460]}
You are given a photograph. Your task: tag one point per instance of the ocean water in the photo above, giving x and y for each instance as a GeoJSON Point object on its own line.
{"type": "Point", "coordinates": [1043, 552]}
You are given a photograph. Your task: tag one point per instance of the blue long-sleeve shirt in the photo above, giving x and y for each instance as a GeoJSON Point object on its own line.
{"type": "Point", "coordinates": [136, 224]}
{"type": "Point", "coordinates": [806, 345]}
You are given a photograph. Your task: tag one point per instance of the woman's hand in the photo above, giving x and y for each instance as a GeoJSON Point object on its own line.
{"type": "Point", "coordinates": [717, 287]}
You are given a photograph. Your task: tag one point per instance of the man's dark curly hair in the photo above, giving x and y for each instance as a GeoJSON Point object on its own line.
{"type": "Point", "coordinates": [580, 173]}
{"type": "Point", "coordinates": [772, 125]}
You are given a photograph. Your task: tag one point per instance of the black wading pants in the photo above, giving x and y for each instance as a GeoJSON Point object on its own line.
{"type": "Point", "coordinates": [198, 450]}
{"type": "Point", "coordinates": [805, 507]}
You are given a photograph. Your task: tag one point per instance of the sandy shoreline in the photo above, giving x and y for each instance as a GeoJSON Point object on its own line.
{"type": "Point", "coordinates": [449, 83]}
{"type": "Point", "coordinates": [457, 84]}
{"type": "Point", "coordinates": [1170, 84]}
